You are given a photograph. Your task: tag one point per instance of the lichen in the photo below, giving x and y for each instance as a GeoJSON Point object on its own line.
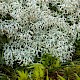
{"type": "Point", "coordinates": [34, 27]}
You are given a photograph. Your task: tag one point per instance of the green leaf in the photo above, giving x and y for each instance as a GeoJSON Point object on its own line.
{"type": "Point", "coordinates": [57, 63]}
{"type": "Point", "coordinates": [61, 78]}
{"type": "Point", "coordinates": [49, 61]}
{"type": "Point", "coordinates": [72, 64]}
{"type": "Point", "coordinates": [22, 75]}
{"type": "Point", "coordinates": [47, 78]}
{"type": "Point", "coordinates": [77, 77]}
{"type": "Point", "coordinates": [38, 71]}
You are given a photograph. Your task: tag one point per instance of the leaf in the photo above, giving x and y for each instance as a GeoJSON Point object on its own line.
{"type": "Point", "coordinates": [50, 78]}
{"type": "Point", "coordinates": [38, 71]}
{"type": "Point", "coordinates": [49, 61]}
{"type": "Point", "coordinates": [47, 78]}
{"type": "Point", "coordinates": [22, 75]}
{"type": "Point", "coordinates": [57, 63]}
{"type": "Point", "coordinates": [61, 78]}
{"type": "Point", "coordinates": [72, 64]}
{"type": "Point", "coordinates": [77, 77]}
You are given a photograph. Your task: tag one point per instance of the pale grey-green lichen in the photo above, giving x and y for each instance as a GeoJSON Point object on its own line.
{"type": "Point", "coordinates": [36, 27]}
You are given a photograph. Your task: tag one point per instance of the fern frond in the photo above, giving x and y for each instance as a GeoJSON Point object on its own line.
{"type": "Point", "coordinates": [22, 75]}
{"type": "Point", "coordinates": [38, 71]}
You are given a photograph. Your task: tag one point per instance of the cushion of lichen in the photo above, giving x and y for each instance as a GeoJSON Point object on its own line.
{"type": "Point", "coordinates": [36, 27]}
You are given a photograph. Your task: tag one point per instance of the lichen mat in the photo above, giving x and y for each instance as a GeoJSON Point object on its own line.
{"type": "Point", "coordinates": [34, 26]}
